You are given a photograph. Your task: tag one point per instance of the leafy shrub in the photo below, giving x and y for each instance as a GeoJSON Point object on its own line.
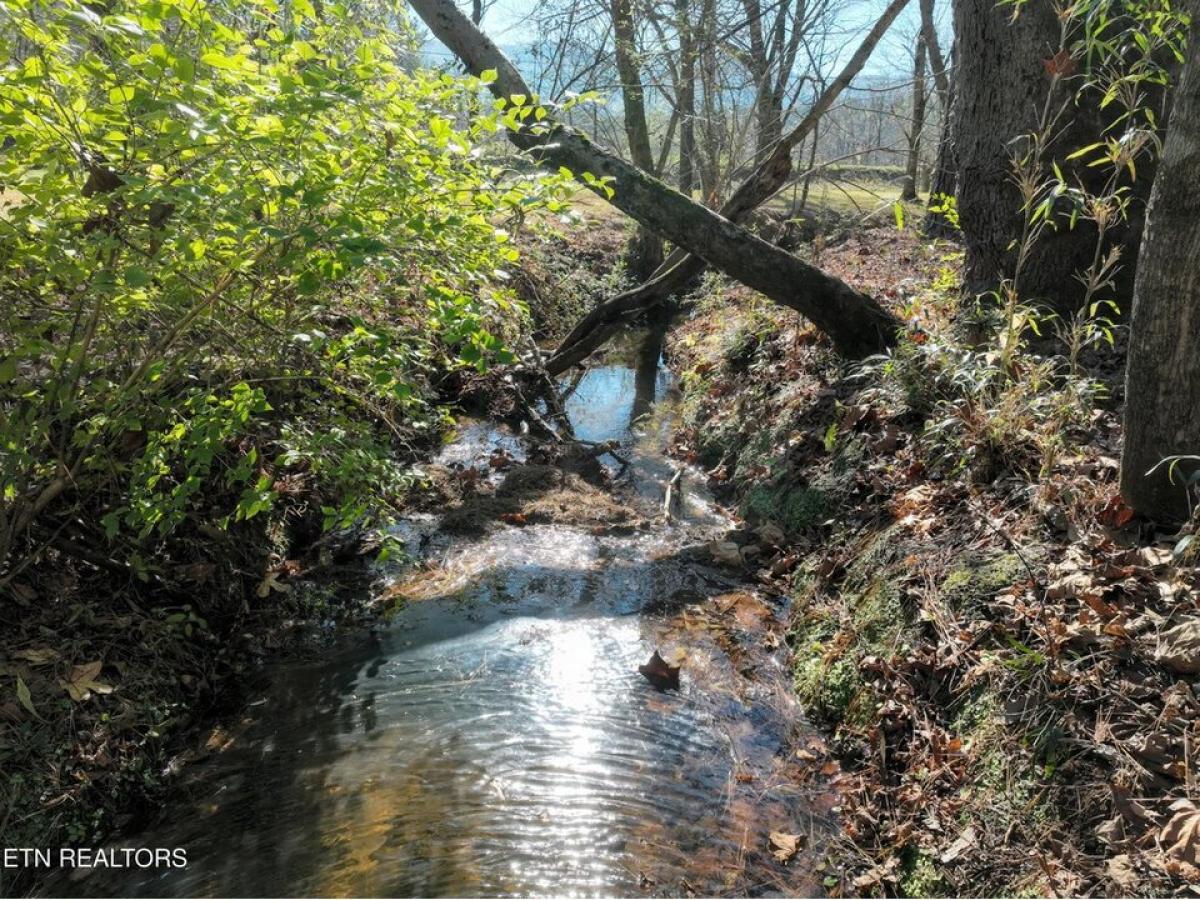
{"type": "Point", "coordinates": [240, 239]}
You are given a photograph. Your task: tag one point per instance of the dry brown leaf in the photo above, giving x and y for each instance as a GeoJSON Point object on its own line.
{"type": "Point", "coordinates": [82, 682]}
{"type": "Point", "coordinates": [1179, 648]}
{"type": "Point", "coordinates": [1181, 835]}
{"type": "Point", "coordinates": [964, 842]}
{"type": "Point", "coordinates": [271, 583]}
{"type": "Point", "coordinates": [884, 872]}
{"type": "Point", "coordinates": [784, 846]}
{"type": "Point", "coordinates": [1112, 832]}
{"type": "Point", "coordinates": [37, 656]}
{"type": "Point", "coordinates": [1120, 869]}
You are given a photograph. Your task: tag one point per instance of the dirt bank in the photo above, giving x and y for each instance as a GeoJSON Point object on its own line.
{"type": "Point", "coordinates": [1005, 660]}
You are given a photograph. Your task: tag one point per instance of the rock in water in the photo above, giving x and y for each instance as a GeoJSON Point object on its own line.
{"type": "Point", "coordinates": [660, 673]}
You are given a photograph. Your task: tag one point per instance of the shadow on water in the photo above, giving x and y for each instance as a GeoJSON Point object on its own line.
{"type": "Point", "coordinates": [497, 738]}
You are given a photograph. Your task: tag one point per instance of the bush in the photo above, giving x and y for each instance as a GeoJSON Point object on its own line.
{"type": "Point", "coordinates": [241, 243]}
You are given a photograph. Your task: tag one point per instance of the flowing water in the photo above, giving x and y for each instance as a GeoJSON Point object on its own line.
{"type": "Point", "coordinates": [496, 737]}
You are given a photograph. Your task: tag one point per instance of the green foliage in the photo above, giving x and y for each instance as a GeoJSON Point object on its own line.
{"type": "Point", "coordinates": [238, 239]}
{"type": "Point", "coordinates": [989, 410]}
{"type": "Point", "coordinates": [945, 205]}
{"type": "Point", "coordinates": [971, 587]}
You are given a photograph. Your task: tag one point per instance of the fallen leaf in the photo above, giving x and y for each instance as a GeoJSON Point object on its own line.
{"type": "Point", "coordinates": [660, 673]}
{"type": "Point", "coordinates": [271, 583]}
{"type": "Point", "coordinates": [1116, 513]}
{"type": "Point", "coordinates": [23, 696]}
{"type": "Point", "coordinates": [1179, 648]}
{"type": "Point", "coordinates": [1181, 834]}
{"type": "Point", "coordinates": [886, 871]}
{"type": "Point", "coordinates": [962, 843]}
{"type": "Point", "coordinates": [1120, 869]}
{"type": "Point", "coordinates": [37, 656]}
{"type": "Point", "coordinates": [784, 846]}
{"type": "Point", "coordinates": [82, 682]}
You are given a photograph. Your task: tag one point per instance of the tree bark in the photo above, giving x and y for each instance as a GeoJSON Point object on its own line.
{"type": "Point", "coordinates": [686, 99]}
{"type": "Point", "coordinates": [909, 190]}
{"type": "Point", "coordinates": [644, 253]}
{"type": "Point", "coordinates": [854, 322]}
{"type": "Point", "coordinates": [1002, 83]}
{"type": "Point", "coordinates": [1162, 382]}
{"type": "Point", "coordinates": [945, 170]}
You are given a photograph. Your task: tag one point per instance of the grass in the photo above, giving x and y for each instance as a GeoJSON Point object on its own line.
{"type": "Point", "coordinates": [858, 197]}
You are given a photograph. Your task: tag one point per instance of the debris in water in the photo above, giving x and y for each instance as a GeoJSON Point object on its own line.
{"type": "Point", "coordinates": [660, 673]}
{"type": "Point", "coordinates": [726, 553]}
{"type": "Point", "coordinates": [784, 846]}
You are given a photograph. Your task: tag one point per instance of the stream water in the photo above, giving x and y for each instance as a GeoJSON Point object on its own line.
{"type": "Point", "coordinates": [496, 737]}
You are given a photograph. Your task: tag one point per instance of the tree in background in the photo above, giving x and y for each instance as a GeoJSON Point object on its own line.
{"type": "Point", "coordinates": [1162, 392]}
{"type": "Point", "coordinates": [917, 123]}
{"type": "Point", "coordinates": [644, 254]}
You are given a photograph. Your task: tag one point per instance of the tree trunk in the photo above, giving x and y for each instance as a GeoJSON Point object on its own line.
{"type": "Point", "coordinates": [686, 99]}
{"type": "Point", "coordinates": [1003, 80]}
{"type": "Point", "coordinates": [937, 64]}
{"type": "Point", "coordinates": [644, 253]}
{"type": "Point", "coordinates": [944, 183]}
{"type": "Point", "coordinates": [1162, 381]}
{"type": "Point", "coordinates": [712, 137]}
{"type": "Point", "coordinates": [854, 322]}
{"type": "Point", "coordinates": [681, 269]}
{"type": "Point", "coordinates": [909, 189]}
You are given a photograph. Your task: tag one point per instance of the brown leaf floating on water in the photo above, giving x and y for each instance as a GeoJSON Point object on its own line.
{"type": "Point", "coordinates": [784, 846]}
{"type": "Point", "coordinates": [660, 673]}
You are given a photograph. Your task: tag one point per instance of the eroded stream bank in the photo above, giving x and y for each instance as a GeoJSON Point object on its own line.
{"type": "Point", "coordinates": [495, 738]}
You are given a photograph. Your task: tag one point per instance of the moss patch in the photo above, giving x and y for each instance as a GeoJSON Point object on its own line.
{"type": "Point", "coordinates": [971, 587]}
{"type": "Point", "coordinates": [829, 647]}
{"type": "Point", "coordinates": [919, 876]}
{"type": "Point", "coordinates": [793, 507]}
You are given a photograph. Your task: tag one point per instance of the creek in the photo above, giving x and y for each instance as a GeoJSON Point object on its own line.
{"type": "Point", "coordinates": [495, 737]}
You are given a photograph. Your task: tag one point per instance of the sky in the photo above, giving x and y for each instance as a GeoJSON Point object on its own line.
{"type": "Point", "coordinates": [507, 23]}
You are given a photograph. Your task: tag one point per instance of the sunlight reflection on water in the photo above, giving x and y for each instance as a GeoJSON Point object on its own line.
{"type": "Point", "coordinates": [498, 740]}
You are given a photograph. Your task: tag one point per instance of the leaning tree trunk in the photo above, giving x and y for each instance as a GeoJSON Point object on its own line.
{"type": "Point", "coordinates": [1003, 77]}
{"type": "Point", "coordinates": [681, 268]}
{"type": "Point", "coordinates": [909, 189]}
{"type": "Point", "coordinates": [1162, 382]}
{"type": "Point", "coordinates": [854, 322]}
{"type": "Point", "coordinates": [645, 252]}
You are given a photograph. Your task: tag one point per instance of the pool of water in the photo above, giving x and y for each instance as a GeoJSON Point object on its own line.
{"type": "Point", "coordinates": [496, 738]}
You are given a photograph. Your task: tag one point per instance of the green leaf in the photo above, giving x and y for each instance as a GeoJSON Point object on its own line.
{"type": "Point", "coordinates": [23, 696]}
{"type": "Point", "coordinates": [220, 61]}
{"type": "Point", "coordinates": [122, 94]}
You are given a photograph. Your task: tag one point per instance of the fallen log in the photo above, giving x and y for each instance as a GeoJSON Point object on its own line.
{"type": "Point", "coordinates": [856, 324]}
{"type": "Point", "coordinates": [680, 269]}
